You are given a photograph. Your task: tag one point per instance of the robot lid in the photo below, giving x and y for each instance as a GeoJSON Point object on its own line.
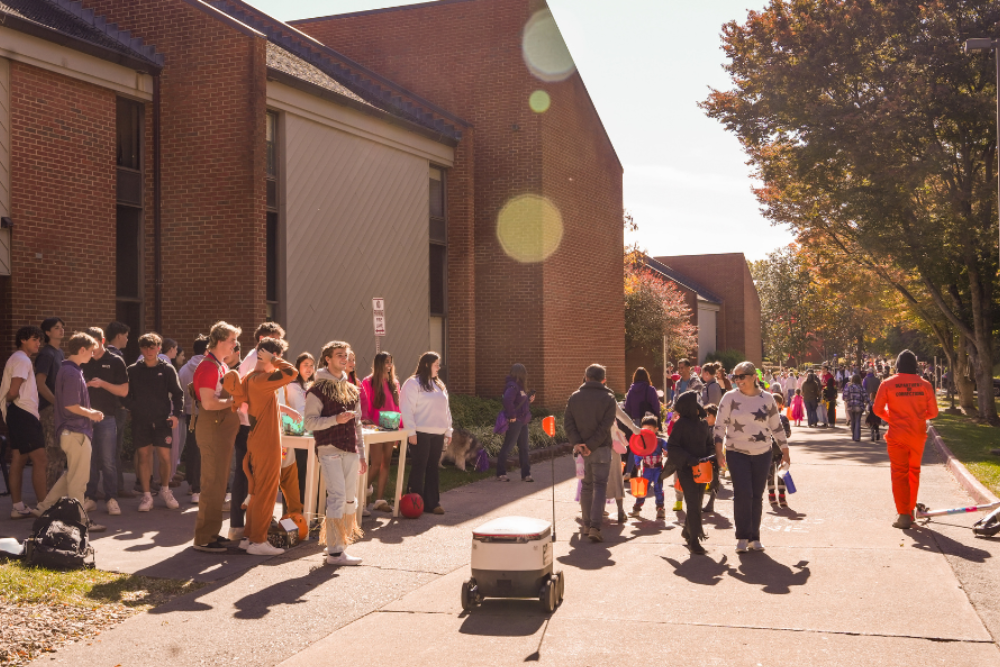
{"type": "Point", "coordinates": [513, 527]}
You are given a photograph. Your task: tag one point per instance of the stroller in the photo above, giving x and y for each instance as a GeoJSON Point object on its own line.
{"type": "Point", "coordinates": [874, 422]}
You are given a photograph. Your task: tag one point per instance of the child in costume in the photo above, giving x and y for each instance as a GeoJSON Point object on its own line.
{"type": "Point", "coordinates": [333, 414]}
{"type": "Point", "coordinates": [776, 454]}
{"type": "Point", "coordinates": [652, 466]}
{"type": "Point", "coordinates": [798, 408]}
{"type": "Point", "coordinates": [263, 461]}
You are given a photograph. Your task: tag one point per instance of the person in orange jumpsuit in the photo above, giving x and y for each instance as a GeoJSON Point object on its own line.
{"type": "Point", "coordinates": [906, 401]}
{"type": "Point", "coordinates": [263, 460]}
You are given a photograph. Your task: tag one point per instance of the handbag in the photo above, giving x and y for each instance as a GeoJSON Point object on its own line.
{"type": "Point", "coordinates": [618, 442]}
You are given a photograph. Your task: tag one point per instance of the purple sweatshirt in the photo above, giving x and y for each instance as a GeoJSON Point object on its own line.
{"type": "Point", "coordinates": [71, 389]}
{"type": "Point", "coordinates": [515, 402]}
{"type": "Point", "coordinates": [641, 397]}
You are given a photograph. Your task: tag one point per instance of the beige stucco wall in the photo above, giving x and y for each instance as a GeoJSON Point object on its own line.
{"type": "Point", "coordinates": [355, 206]}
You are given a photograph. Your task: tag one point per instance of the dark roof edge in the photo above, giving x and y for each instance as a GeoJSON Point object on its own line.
{"type": "Point", "coordinates": [333, 53]}
{"type": "Point", "coordinates": [31, 28]}
{"type": "Point", "coordinates": [225, 18]}
{"type": "Point", "coordinates": [337, 98]}
{"type": "Point", "coordinates": [682, 279]}
{"type": "Point", "coordinates": [383, 10]}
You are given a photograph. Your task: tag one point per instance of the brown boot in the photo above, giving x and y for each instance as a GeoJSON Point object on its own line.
{"type": "Point", "coordinates": [904, 521]}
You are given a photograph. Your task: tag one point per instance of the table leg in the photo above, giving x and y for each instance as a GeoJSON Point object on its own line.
{"type": "Point", "coordinates": [312, 484]}
{"type": "Point", "coordinates": [400, 473]}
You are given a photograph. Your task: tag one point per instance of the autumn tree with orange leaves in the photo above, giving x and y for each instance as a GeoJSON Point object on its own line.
{"type": "Point", "coordinates": [655, 307]}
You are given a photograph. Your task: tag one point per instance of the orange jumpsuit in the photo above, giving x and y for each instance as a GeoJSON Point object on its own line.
{"type": "Point", "coordinates": [263, 460]}
{"type": "Point", "coordinates": [906, 402]}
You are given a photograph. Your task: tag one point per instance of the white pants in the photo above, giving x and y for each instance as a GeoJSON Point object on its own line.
{"type": "Point", "coordinates": [73, 482]}
{"type": "Point", "coordinates": [340, 473]}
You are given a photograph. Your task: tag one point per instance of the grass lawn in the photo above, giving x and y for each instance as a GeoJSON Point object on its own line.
{"type": "Point", "coordinates": [20, 583]}
{"type": "Point", "coordinates": [971, 443]}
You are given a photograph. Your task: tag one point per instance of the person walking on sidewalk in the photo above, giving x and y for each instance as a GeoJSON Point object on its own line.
{"type": "Point", "coordinates": [107, 383]}
{"type": "Point", "coordinates": [333, 414]}
{"type": "Point", "coordinates": [855, 401]}
{"type": "Point", "coordinates": [689, 442]}
{"type": "Point", "coordinates": [590, 414]}
{"type": "Point", "coordinates": [517, 402]}
{"type": "Point", "coordinates": [215, 429]}
{"type": "Point", "coordinates": [19, 405]}
{"type": "Point", "coordinates": [810, 396]}
{"type": "Point", "coordinates": [424, 401]}
{"type": "Point", "coordinates": [156, 402]}
{"type": "Point", "coordinates": [74, 422]}
{"type": "Point", "coordinates": [830, 393]}
{"type": "Point", "coordinates": [747, 420]}
{"type": "Point", "coordinates": [905, 401]}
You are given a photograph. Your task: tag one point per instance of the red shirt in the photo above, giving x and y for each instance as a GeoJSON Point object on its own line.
{"type": "Point", "coordinates": [209, 375]}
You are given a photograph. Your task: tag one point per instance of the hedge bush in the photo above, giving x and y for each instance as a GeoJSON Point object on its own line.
{"type": "Point", "coordinates": [478, 416]}
{"type": "Point", "coordinates": [728, 358]}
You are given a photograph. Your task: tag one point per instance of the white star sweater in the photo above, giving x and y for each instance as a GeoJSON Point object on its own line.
{"type": "Point", "coordinates": [747, 423]}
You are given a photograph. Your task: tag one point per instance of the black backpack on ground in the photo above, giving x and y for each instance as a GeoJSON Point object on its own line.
{"type": "Point", "coordinates": [59, 537]}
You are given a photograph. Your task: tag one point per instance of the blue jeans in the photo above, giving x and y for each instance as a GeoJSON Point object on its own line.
{"type": "Point", "coordinates": [811, 412]}
{"type": "Point", "coordinates": [104, 458]}
{"type": "Point", "coordinates": [749, 475]}
{"type": "Point", "coordinates": [653, 475]}
{"type": "Point", "coordinates": [855, 425]}
{"type": "Point", "coordinates": [517, 432]}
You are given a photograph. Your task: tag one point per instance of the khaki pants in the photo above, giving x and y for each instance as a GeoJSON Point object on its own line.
{"type": "Point", "coordinates": [56, 457]}
{"type": "Point", "coordinates": [215, 432]}
{"type": "Point", "coordinates": [76, 448]}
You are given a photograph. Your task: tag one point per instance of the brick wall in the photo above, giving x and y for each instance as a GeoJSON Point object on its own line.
{"type": "Point", "coordinates": [213, 153]}
{"type": "Point", "coordinates": [466, 57]}
{"type": "Point", "coordinates": [461, 322]}
{"type": "Point", "coordinates": [62, 201]}
{"type": "Point", "coordinates": [728, 276]}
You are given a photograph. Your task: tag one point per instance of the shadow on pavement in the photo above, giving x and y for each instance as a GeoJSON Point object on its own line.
{"type": "Point", "coordinates": [927, 539]}
{"type": "Point", "coordinates": [787, 513]}
{"type": "Point", "coordinates": [841, 451]}
{"type": "Point", "coordinates": [587, 555]}
{"type": "Point", "coordinates": [701, 570]}
{"type": "Point", "coordinates": [521, 618]}
{"type": "Point", "coordinates": [759, 568]}
{"type": "Point", "coordinates": [288, 592]}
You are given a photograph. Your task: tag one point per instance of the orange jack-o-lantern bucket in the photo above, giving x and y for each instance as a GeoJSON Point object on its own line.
{"type": "Point", "coordinates": [640, 487]}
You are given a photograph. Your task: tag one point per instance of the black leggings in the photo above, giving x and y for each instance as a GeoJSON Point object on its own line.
{"type": "Point", "coordinates": [424, 479]}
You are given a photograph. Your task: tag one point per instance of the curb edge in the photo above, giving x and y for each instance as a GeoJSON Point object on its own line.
{"type": "Point", "coordinates": [966, 480]}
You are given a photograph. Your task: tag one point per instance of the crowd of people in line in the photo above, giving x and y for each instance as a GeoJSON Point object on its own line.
{"type": "Point", "coordinates": [67, 401]}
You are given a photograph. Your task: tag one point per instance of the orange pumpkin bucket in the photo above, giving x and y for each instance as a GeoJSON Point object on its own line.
{"type": "Point", "coordinates": [703, 474]}
{"type": "Point", "coordinates": [640, 487]}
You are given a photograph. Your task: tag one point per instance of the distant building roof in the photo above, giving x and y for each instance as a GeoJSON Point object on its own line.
{"type": "Point", "coordinates": [297, 57]}
{"type": "Point", "coordinates": [683, 280]}
{"type": "Point", "coordinates": [67, 22]}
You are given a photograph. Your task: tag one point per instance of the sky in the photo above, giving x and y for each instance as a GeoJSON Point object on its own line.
{"type": "Point", "coordinates": [647, 64]}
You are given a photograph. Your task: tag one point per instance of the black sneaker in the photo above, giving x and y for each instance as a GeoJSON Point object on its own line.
{"type": "Point", "coordinates": [213, 547]}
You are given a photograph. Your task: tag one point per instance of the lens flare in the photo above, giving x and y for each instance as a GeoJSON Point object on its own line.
{"type": "Point", "coordinates": [545, 52]}
{"type": "Point", "coordinates": [529, 228]}
{"type": "Point", "coordinates": [539, 101]}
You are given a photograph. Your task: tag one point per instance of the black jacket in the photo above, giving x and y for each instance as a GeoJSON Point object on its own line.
{"type": "Point", "coordinates": [811, 389]}
{"type": "Point", "coordinates": [154, 393]}
{"type": "Point", "coordinates": [691, 437]}
{"type": "Point", "coordinates": [590, 414]}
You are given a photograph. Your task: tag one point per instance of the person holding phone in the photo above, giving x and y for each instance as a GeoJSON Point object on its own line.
{"type": "Point", "coordinates": [517, 402]}
{"type": "Point", "coordinates": [333, 414]}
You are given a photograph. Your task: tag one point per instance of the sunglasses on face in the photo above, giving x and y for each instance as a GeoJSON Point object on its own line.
{"type": "Point", "coordinates": [741, 376]}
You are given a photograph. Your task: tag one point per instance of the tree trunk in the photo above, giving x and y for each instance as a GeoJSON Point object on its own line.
{"type": "Point", "coordinates": [960, 375]}
{"type": "Point", "coordinates": [982, 366]}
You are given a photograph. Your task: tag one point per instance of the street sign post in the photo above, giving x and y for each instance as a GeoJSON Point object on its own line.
{"type": "Point", "coordinates": [378, 317]}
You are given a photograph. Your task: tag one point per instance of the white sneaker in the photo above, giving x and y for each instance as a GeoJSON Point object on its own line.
{"type": "Point", "coordinates": [756, 546]}
{"type": "Point", "coordinates": [146, 503]}
{"type": "Point", "coordinates": [235, 534]}
{"type": "Point", "coordinates": [264, 549]}
{"type": "Point", "coordinates": [21, 514]}
{"type": "Point", "coordinates": [113, 508]}
{"type": "Point", "coordinates": [244, 543]}
{"type": "Point", "coordinates": [741, 546]}
{"type": "Point", "coordinates": [195, 497]}
{"type": "Point", "coordinates": [89, 504]}
{"type": "Point", "coordinates": [343, 559]}
{"type": "Point", "coordinates": [381, 505]}
{"type": "Point", "coordinates": [168, 498]}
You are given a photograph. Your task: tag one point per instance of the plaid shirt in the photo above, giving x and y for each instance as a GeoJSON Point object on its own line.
{"type": "Point", "coordinates": [855, 398]}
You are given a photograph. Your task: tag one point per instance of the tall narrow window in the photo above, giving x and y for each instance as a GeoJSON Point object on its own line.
{"type": "Point", "coordinates": [129, 255]}
{"type": "Point", "coordinates": [438, 263]}
{"type": "Point", "coordinates": [272, 239]}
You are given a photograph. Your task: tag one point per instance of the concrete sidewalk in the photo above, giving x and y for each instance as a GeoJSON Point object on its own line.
{"type": "Point", "coordinates": [837, 585]}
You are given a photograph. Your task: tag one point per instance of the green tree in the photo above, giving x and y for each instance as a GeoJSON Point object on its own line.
{"type": "Point", "coordinates": [867, 125]}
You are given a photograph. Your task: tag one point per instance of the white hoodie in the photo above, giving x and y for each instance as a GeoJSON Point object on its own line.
{"type": "Point", "coordinates": [425, 411]}
{"type": "Point", "coordinates": [186, 376]}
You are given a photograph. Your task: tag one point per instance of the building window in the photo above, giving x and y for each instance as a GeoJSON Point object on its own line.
{"type": "Point", "coordinates": [272, 236]}
{"type": "Point", "coordinates": [438, 263]}
{"type": "Point", "coordinates": [129, 237]}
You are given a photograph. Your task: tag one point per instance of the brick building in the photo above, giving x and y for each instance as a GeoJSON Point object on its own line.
{"type": "Point", "coordinates": [242, 169]}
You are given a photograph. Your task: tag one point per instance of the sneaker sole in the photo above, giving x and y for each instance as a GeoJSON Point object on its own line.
{"type": "Point", "coordinates": [210, 550]}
